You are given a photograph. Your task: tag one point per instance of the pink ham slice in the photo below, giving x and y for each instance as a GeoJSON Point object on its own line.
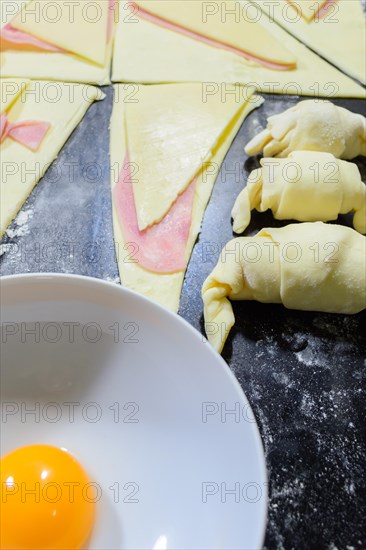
{"type": "Point", "coordinates": [29, 133]}
{"type": "Point", "coordinates": [324, 9]}
{"type": "Point", "coordinates": [196, 36]}
{"type": "Point", "coordinates": [15, 36]}
{"type": "Point", "coordinates": [110, 23]}
{"type": "Point", "coordinates": [161, 248]}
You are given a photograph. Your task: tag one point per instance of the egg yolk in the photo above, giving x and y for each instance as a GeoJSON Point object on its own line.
{"type": "Point", "coordinates": [47, 500]}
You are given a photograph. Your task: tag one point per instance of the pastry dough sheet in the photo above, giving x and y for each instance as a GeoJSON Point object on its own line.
{"type": "Point", "coordinates": [147, 53]}
{"type": "Point", "coordinates": [51, 65]}
{"type": "Point", "coordinates": [163, 288]}
{"type": "Point", "coordinates": [339, 36]}
{"type": "Point", "coordinates": [22, 168]}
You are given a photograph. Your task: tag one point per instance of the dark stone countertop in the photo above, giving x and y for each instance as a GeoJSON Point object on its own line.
{"type": "Point", "coordinates": [303, 373]}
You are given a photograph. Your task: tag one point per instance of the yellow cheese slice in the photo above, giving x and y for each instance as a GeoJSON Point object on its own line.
{"type": "Point", "coordinates": [308, 8]}
{"type": "Point", "coordinates": [171, 131]}
{"type": "Point", "coordinates": [227, 22]}
{"type": "Point", "coordinates": [147, 53]}
{"type": "Point", "coordinates": [49, 65]}
{"type": "Point", "coordinates": [78, 26]}
{"type": "Point", "coordinates": [10, 90]}
{"type": "Point", "coordinates": [339, 36]}
{"type": "Point", "coordinates": [164, 288]}
{"type": "Point", "coordinates": [21, 167]}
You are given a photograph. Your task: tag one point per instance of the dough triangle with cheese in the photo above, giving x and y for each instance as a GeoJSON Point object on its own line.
{"type": "Point", "coordinates": [171, 132]}
{"type": "Point", "coordinates": [79, 27]}
{"type": "Point", "coordinates": [337, 32]}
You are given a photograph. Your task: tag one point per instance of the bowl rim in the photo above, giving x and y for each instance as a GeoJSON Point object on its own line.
{"type": "Point", "coordinates": [120, 291]}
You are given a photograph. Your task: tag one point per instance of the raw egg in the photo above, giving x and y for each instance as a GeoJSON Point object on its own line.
{"type": "Point", "coordinates": [47, 500]}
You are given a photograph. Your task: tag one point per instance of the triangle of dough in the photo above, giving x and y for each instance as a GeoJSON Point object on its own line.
{"type": "Point", "coordinates": [78, 26]}
{"type": "Point", "coordinates": [225, 21]}
{"type": "Point", "coordinates": [63, 115]}
{"type": "Point", "coordinates": [164, 288]}
{"type": "Point", "coordinates": [147, 53]}
{"type": "Point", "coordinates": [171, 131]}
{"type": "Point", "coordinates": [10, 90]}
{"type": "Point", "coordinates": [339, 36]}
{"type": "Point", "coordinates": [39, 65]}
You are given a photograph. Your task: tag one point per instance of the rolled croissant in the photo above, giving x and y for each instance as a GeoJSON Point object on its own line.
{"type": "Point", "coordinates": [306, 186]}
{"type": "Point", "coordinates": [312, 125]}
{"type": "Point", "coordinates": [308, 266]}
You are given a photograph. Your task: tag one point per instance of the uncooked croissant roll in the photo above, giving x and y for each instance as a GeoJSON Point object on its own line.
{"type": "Point", "coordinates": [307, 266]}
{"type": "Point", "coordinates": [312, 125]}
{"type": "Point", "coordinates": [307, 186]}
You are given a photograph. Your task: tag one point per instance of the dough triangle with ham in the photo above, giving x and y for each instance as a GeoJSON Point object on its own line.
{"type": "Point", "coordinates": [227, 23]}
{"type": "Point", "coordinates": [148, 52]}
{"type": "Point", "coordinates": [337, 30]}
{"type": "Point", "coordinates": [33, 131]}
{"type": "Point", "coordinates": [171, 132]}
{"type": "Point", "coordinates": [153, 261]}
{"type": "Point", "coordinates": [78, 26]}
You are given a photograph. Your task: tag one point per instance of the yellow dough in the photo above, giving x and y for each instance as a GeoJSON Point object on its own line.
{"type": "Point", "coordinates": [90, 62]}
{"type": "Point", "coordinates": [339, 36]}
{"type": "Point", "coordinates": [171, 133]}
{"type": "Point", "coordinates": [312, 125]}
{"type": "Point", "coordinates": [22, 168]}
{"type": "Point", "coordinates": [10, 90]}
{"type": "Point", "coordinates": [165, 288]}
{"type": "Point", "coordinates": [147, 53]}
{"type": "Point", "coordinates": [75, 30]}
{"type": "Point", "coordinates": [307, 8]}
{"type": "Point", "coordinates": [223, 22]}
{"type": "Point", "coordinates": [307, 186]}
{"type": "Point", "coordinates": [307, 266]}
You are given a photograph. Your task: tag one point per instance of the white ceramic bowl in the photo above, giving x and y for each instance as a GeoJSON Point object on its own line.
{"type": "Point", "coordinates": [143, 402]}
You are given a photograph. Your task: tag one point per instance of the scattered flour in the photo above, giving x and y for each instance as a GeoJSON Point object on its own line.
{"type": "Point", "coordinates": [19, 227]}
{"type": "Point", "coordinates": [115, 280]}
{"type": "Point", "coordinates": [5, 248]}
{"type": "Point", "coordinates": [311, 356]}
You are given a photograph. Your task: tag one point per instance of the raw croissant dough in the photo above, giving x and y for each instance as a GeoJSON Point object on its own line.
{"type": "Point", "coordinates": [308, 266]}
{"type": "Point", "coordinates": [54, 65]}
{"type": "Point", "coordinates": [307, 186]}
{"type": "Point", "coordinates": [165, 288]}
{"type": "Point", "coordinates": [148, 53]}
{"type": "Point", "coordinates": [21, 167]}
{"type": "Point", "coordinates": [339, 35]}
{"type": "Point", "coordinates": [312, 125]}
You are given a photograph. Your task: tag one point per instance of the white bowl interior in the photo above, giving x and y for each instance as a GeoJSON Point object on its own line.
{"type": "Point", "coordinates": [143, 402]}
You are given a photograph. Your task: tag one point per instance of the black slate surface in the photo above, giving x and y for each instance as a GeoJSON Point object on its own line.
{"type": "Point", "coordinates": [303, 373]}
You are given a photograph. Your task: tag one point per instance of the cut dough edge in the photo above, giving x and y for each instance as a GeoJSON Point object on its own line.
{"type": "Point", "coordinates": [17, 191]}
{"type": "Point", "coordinates": [318, 34]}
{"type": "Point", "coordinates": [169, 150]}
{"type": "Point", "coordinates": [243, 34]}
{"type": "Point", "coordinates": [147, 53]}
{"type": "Point", "coordinates": [163, 288]}
{"type": "Point", "coordinates": [88, 43]}
{"type": "Point", "coordinates": [53, 66]}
